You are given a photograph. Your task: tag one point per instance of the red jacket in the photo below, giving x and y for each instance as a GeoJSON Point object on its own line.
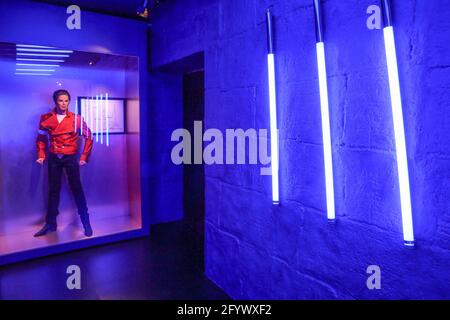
{"type": "Point", "coordinates": [63, 136]}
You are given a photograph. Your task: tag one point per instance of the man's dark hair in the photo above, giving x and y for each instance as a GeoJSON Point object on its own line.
{"type": "Point", "coordinates": [60, 92]}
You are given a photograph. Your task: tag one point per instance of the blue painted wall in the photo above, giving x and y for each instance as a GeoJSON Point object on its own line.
{"type": "Point", "coordinates": [255, 250]}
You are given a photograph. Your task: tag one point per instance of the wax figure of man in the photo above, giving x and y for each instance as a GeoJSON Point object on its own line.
{"type": "Point", "coordinates": [59, 130]}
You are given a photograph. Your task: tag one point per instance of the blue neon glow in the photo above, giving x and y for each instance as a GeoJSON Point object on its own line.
{"type": "Point", "coordinates": [399, 132]}
{"type": "Point", "coordinates": [326, 136]}
{"type": "Point", "coordinates": [273, 129]}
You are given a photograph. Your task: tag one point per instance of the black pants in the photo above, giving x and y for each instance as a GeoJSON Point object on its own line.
{"type": "Point", "coordinates": [55, 169]}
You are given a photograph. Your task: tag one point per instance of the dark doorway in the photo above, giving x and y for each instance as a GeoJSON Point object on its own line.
{"type": "Point", "coordinates": [194, 176]}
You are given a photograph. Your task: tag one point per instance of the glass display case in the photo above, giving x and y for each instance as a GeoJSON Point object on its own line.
{"type": "Point", "coordinates": [104, 91]}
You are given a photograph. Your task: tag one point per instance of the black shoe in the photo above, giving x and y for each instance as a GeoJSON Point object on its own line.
{"type": "Point", "coordinates": [87, 225]}
{"type": "Point", "coordinates": [47, 228]}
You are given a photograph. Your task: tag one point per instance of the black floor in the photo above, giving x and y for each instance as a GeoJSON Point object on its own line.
{"type": "Point", "coordinates": [167, 265]}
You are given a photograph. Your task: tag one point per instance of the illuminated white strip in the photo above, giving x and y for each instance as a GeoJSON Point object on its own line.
{"type": "Point", "coordinates": [38, 70]}
{"type": "Point", "coordinates": [88, 113]}
{"type": "Point", "coordinates": [399, 131]}
{"type": "Point", "coordinates": [42, 55]}
{"type": "Point", "coordinates": [36, 65]}
{"type": "Point", "coordinates": [43, 50]}
{"type": "Point", "coordinates": [43, 60]}
{"type": "Point", "coordinates": [32, 46]}
{"type": "Point", "coordinates": [96, 118]}
{"type": "Point", "coordinates": [326, 136]}
{"type": "Point", "coordinates": [273, 128]}
{"type": "Point", "coordinates": [82, 115]}
{"type": "Point", "coordinates": [32, 74]}
{"type": "Point", "coordinates": [101, 118]}
{"type": "Point", "coordinates": [107, 120]}
{"type": "Point", "coordinates": [91, 116]}
{"type": "Point", "coordinates": [76, 114]}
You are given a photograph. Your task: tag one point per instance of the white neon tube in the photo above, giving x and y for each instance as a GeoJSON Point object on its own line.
{"type": "Point", "coordinates": [86, 113]}
{"type": "Point", "coordinates": [32, 74]}
{"type": "Point", "coordinates": [326, 136]}
{"type": "Point", "coordinates": [91, 117]}
{"type": "Point", "coordinates": [43, 50]}
{"type": "Point", "coordinates": [76, 114]}
{"type": "Point", "coordinates": [101, 119]}
{"type": "Point", "coordinates": [36, 70]}
{"type": "Point", "coordinates": [96, 118]}
{"type": "Point", "coordinates": [42, 55]}
{"type": "Point", "coordinates": [83, 113]}
{"type": "Point", "coordinates": [399, 132]}
{"type": "Point", "coordinates": [43, 60]}
{"type": "Point", "coordinates": [32, 46]}
{"type": "Point", "coordinates": [273, 128]}
{"type": "Point", "coordinates": [107, 120]}
{"type": "Point", "coordinates": [36, 65]}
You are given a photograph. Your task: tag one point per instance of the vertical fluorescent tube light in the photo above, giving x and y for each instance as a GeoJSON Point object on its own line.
{"type": "Point", "coordinates": [324, 110]}
{"type": "Point", "coordinates": [88, 113]}
{"type": "Point", "coordinates": [101, 118]}
{"type": "Point", "coordinates": [399, 131]}
{"type": "Point", "coordinates": [96, 118]}
{"type": "Point", "coordinates": [82, 113]}
{"type": "Point", "coordinates": [273, 110]}
{"type": "Point", "coordinates": [107, 120]}
{"type": "Point", "coordinates": [91, 116]}
{"type": "Point", "coordinates": [76, 114]}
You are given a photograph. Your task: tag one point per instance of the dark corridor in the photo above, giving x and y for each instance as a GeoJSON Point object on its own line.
{"type": "Point", "coordinates": [193, 175]}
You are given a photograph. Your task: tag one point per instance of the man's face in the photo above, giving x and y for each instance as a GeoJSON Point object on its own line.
{"type": "Point", "coordinates": [62, 102]}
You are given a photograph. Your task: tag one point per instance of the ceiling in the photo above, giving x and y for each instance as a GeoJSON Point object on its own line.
{"type": "Point", "coordinates": [122, 8]}
{"type": "Point", "coordinates": [76, 59]}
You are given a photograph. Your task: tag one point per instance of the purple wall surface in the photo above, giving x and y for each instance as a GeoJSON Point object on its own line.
{"type": "Point", "coordinates": [255, 250]}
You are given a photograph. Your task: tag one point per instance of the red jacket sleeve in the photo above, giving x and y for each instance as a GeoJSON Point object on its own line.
{"type": "Point", "coordinates": [41, 140]}
{"type": "Point", "coordinates": [88, 141]}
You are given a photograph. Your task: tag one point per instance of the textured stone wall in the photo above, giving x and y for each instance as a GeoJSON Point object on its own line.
{"type": "Point", "coordinates": [256, 250]}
